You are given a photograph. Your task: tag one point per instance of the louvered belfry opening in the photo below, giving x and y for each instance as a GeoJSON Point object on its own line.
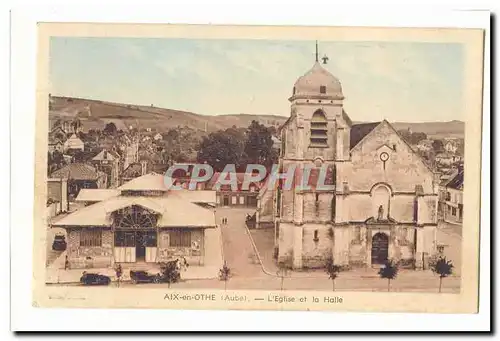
{"type": "Point", "coordinates": [319, 130]}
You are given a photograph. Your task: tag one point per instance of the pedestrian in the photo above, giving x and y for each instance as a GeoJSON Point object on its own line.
{"type": "Point", "coordinates": [66, 263]}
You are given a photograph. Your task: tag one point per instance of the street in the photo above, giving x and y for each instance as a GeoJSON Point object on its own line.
{"type": "Point", "coordinates": [247, 273]}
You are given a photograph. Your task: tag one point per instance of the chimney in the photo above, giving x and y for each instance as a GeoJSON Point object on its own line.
{"type": "Point", "coordinates": [105, 155]}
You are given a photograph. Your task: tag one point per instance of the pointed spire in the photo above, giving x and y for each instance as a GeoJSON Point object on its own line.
{"type": "Point", "coordinates": [316, 50]}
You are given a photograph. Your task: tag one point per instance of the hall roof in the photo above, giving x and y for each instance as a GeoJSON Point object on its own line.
{"type": "Point", "coordinates": [176, 208]}
{"type": "Point", "coordinates": [148, 182]}
{"type": "Point", "coordinates": [96, 194]}
{"type": "Point", "coordinates": [174, 212]}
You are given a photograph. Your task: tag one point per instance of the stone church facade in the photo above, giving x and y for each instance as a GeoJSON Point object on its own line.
{"type": "Point", "coordinates": [384, 202]}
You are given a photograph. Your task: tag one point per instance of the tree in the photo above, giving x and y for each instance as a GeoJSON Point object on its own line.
{"type": "Point", "coordinates": [438, 146]}
{"type": "Point", "coordinates": [332, 270]}
{"type": "Point", "coordinates": [224, 274]}
{"type": "Point", "coordinates": [389, 271]}
{"type": "Point", "coordinates": [443, 268]}
{"type": "Point", "coordinates": [417, 137]}
{"type": "Point", "coordinates": [76, 125]}
{"type": "Point", "coordinates": [282, 273]}
{"type": "Point", "coordinates": [259, 145]}
{"type": "Point", "coordinates": [221, 148]}
{"type": "Point", "coordinates": [110, 129]}
{"type": "Point", "coordinates": [405, 134]}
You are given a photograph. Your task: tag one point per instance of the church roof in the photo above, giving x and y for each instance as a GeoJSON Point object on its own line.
{"type": "Point", "coordinates": [359, 131]}
{"type": "Point", "coordinates": [311, 82]}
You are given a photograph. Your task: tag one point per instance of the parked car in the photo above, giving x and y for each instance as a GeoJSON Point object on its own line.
{"type": "Point", "coordinates": [144, 277]}
{"type": "Point", "coordinates": [94, 279]}
{"type": "Point", "coordinates": [59, 243]}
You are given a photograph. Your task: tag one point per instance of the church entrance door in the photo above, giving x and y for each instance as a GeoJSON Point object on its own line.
{"type": "Point", "coordinates": [380, 248]}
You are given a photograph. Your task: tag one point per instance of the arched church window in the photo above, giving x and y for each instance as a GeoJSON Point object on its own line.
{"type": "Point", "coordinates": [319, 129]}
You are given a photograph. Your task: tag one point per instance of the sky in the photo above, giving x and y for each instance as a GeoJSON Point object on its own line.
{"type": "Point", "coordinates": [397, 81]}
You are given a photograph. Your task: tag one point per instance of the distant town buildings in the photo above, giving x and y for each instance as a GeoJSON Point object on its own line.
{"type": "Point", "coordinates": [78, 176]}
{"type": "Point", "coordinates": [451, 198]}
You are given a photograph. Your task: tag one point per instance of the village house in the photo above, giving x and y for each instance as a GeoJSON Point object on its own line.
{"type": "Point", "coordinates": [451, 198]}
{"type": "Point", "coordinates": [109, 163]}
{"type": "Point", "coordinates": [73, 144]}
{"type": "Point", "coordinates": [444, 159]}
{"type": "Point", "coordinates": [226, 195]}
{"type": "Point", "coordinates": [55, 145]}
{"type": "Point", "coordinates": [451, 145]}
{"type": "Point", "coordinates": [233, 196]}
{"type": "Point", "coordinates": [424, 146]}
{"type": "Point", "coordinates": [384, 202]}
{"type": "Point", "coordinates": [80, 175]}
{"type": "Point", "coordinates": [158, 137]}
{"type": "Point", "coordinates": [140, 222]}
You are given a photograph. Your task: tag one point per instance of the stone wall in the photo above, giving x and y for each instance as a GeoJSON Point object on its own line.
{"type": "Point", "coordinates": [315, 252]}
{"type": "Point", "coordinates": [285, 243]}
{"type": "Point", "coordinates": [320, 210]}
{"type": "Point", "coordinates": [90, 257]}
{"type": "Point", "coordinates": [402, 172]}
{"type": "Point", "coordinates": [194, 255]}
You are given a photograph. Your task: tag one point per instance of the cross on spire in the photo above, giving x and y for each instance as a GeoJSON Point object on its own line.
{"type": "Point", "coordinates": [316, 50]}
{"type": "Point", "coordinates": [325, 59]}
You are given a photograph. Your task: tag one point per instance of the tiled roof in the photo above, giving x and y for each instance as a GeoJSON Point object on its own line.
{"type": "Point", "coordinates": [359, 131]}
{"type": "Point", "coordinates": [76, 171]}
{"type": "Point", "coordinates": [133, 170]}
{"type": "Point", "coordinates": [457, 182]}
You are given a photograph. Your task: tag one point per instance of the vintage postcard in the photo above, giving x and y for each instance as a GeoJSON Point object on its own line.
{"type": "Point", "coordinates": [261, 168]}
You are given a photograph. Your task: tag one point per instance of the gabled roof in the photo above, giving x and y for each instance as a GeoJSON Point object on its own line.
{"type": "Point", "coordinates": [95, 194]}
{"type": "Point", "coordinates": [106, 155]}
{"type": "Point", "coordinates": [73, 142]}
{"type": "Point", "coordinates": [133, 170]}
{"type": "Point", "coordinates": [359, 131]}
{"type": "Point", "coordinates": [148, 182]}
{"type": "Point", "coordinates": [76, 171]}
{"type": "Point", "coordinates": [174, 211]}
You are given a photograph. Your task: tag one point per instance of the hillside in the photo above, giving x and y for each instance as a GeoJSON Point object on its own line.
{"type": "Point", "coordinates": [96, 114]}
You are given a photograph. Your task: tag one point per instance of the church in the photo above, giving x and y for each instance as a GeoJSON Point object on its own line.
{"type": "Point", "coordinates": [383, 204]}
